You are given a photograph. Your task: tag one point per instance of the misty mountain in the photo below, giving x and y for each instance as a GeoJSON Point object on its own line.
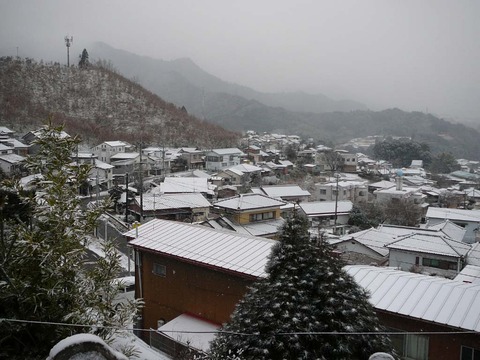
{"type": "Point", "coordinates": [182, 82]}
{"type": "Point", "coordinates": [97, 104]}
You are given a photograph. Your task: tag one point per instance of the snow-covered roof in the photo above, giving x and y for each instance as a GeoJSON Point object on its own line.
{"type": "Point", "coordinates": [124, 156]}
{"type": "Point", "coordinates": [116, 143]}
{"type": "Point", "coordinates": [227, 151]}
{"type": "Point", "coordinates": [5, 130]}
{"type": "Point", "coordinates": [249, 202]}
{"type": "Point", "coordinates": [469, 274]}
{"type": "Point", "coordinates": [429, 298]}
{"type": "Point", "coordinates": [473, 256]}
{"type": "Point", "coordinates": [190, 331]}
{"type": "Point", "coordinates": [101, 165]}
{"type": "Point", "coordinates": [240, 253]}
{"type": "Point", "coordinates": [384, 184]}
{"type": "Point", "coordinates": [371, 238]}
{"type": "Point", "coordinates": [278, 191]}
{"type": "Point", "coordinates": [12, 158]}
{"type": "Point", "coordinates": [4, 147]}
{"type": "Point", "coordinates": [246, 168]}
{"type": "Point", "coordinates": [454, 231]}
{"type": "Point", "coordinates": [453, 214]}
{"type": "Point", "coordinates": [430, 244]}
{"type": "Point", "coordinates": [152, 202]}
{"type": "Point", "coordinates": [186, 185]}
{"type": "Point", "coordinates": [325, 207]}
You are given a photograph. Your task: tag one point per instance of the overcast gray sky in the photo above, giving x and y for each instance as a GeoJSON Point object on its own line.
{"type": "Point", "coordinates": [412, 54]}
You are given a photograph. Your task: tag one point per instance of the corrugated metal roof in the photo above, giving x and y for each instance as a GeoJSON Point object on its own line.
{"type": "Point", "coordinates": [435, 299]}
{"type": "Point", "coordinates": [249, 202]}
{"type": "Point", "coordinates": [222, 249]}
{"type": "Point", "coordinates": [431, 244]}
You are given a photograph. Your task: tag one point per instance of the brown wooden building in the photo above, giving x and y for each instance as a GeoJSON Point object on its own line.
{"type": "Point", "coordinates": [191, 269]}
{"type": "Point", "coordinates": [436, 318]}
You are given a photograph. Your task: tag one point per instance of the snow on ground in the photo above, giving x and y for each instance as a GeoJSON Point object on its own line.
{"type": "Point", "coordinates": [95, 245]}
{"type": "Point", "coordinates": [142, 350]}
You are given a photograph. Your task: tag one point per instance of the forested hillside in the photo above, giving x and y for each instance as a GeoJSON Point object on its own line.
{"type": "Point", "coordinates": [98, 104]}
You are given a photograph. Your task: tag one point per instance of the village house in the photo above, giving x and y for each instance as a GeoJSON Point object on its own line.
{"type": "Point", "coordinates": [289, 192]}
{"type": "Point", "coordinates": [431, 253]}
{"type": "Point", "coordinates": [191, 276]}
{"type": "Point", "coordinates": [327, 214]}
{"type": "Point", "coordinates": [30, 137]}
{"type": "Point", "coordinates": [467, 219]}
{"type": "Point", "coordinates": [194, 157]}
{"type": "Point", "coordinates": [107, 149]}
{"type": "Point", "coordinates": [253, 214]}
{"type": "Point", "coordinates": [435, 318]}
{"type": "Point", "coordinates": [187, 207]}
{"type": "Point", "coordinates": [219, 159]}
{"type": "Point", "coordinates": [354, 191]}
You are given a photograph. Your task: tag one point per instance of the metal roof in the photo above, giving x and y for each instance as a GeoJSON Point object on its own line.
{"type": "Point", "coordinates": [435, 299]}
{"type": "Point", "coordinates": [186, 185]}
{"type": "Point", "coordinates": [152, 202]}
{"type": "Point", "coordinates": [249, 202]}
{"type": "Point", "coordinates": [325, 207]}
{"type": "Point", "coordinates": [227, 151]}
{"type": "Point", "coordinates": [371, 238]}
{"type": "Point", "coordinates": [285, 190]}
{"type": "Point", "coordinates": [226, 250]}
{"type": "Point", "coordinates": [431, 244]}
{"type": "Point", "coordinates": [453, 214]}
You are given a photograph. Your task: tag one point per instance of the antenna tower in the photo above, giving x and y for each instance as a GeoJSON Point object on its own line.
{"type": "Point", "coordinates": [68, 43]}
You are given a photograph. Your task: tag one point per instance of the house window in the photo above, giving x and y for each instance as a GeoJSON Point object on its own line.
{"type": "Point", "coordinates": [440, 264]}
{"type": "Point", "coordinates": [411, 346]}
{"type": "Point", "coordinates": [468, 353]}
{"type": "Point", "coordinates": [323, 192]}
{"type": "Point", "coordinates": [160, 270]}
{"type": "Point", "coordinates": [262, 216]}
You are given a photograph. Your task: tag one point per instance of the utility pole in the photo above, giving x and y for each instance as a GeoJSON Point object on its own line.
{"type": "Point", "coordinates": [126, 198]}
{"type": "Point", "coordinates": [68, 43]}
{"type": "Point", "coordinates": [141, 183]}
{"type": "Point", "coordinates": [336, 202]}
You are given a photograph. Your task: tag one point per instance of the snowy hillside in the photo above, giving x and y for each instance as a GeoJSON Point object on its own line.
{"type": "Point", "coordinates": [98, 104]}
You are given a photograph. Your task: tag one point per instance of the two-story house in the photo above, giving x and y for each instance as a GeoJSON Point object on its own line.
{"type": "Point", "coordinates": [354, 191]}
{"type": "Point", "coordinates": [107, 149]}
{"type": "Point", "coordinates": [219, 159]}
{"type": "Point", "coordinates": [467, 219]}
{"type": "Point", "coordinates": [253, 214]}
{"type": "Point", "coordinates": [191, 276]}
{"type": "Point", "coordinates": [187, 207]}
{"type": "Point", "coordinates": [194, 158]}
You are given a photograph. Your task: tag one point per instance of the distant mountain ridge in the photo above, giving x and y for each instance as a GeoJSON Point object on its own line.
{"type": "Point", "coordinates": [184, 83]}
{"type": "Point", "coordinates": [239, 108]}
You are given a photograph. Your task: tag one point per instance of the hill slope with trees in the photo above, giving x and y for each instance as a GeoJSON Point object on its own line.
{"type": "Point", "coordinates": [98, 104]}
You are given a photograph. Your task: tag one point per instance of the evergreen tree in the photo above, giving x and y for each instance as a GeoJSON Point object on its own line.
{"type": "Point", "coordinates": [297, 309]}
{"type": "Point", "coordinates": [84, 62]}
{"type": "Point", "coordinates": [42, 255]}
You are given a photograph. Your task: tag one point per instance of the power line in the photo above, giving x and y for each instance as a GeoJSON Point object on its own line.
{"type": "Point", "coordinates": [293, 333]}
